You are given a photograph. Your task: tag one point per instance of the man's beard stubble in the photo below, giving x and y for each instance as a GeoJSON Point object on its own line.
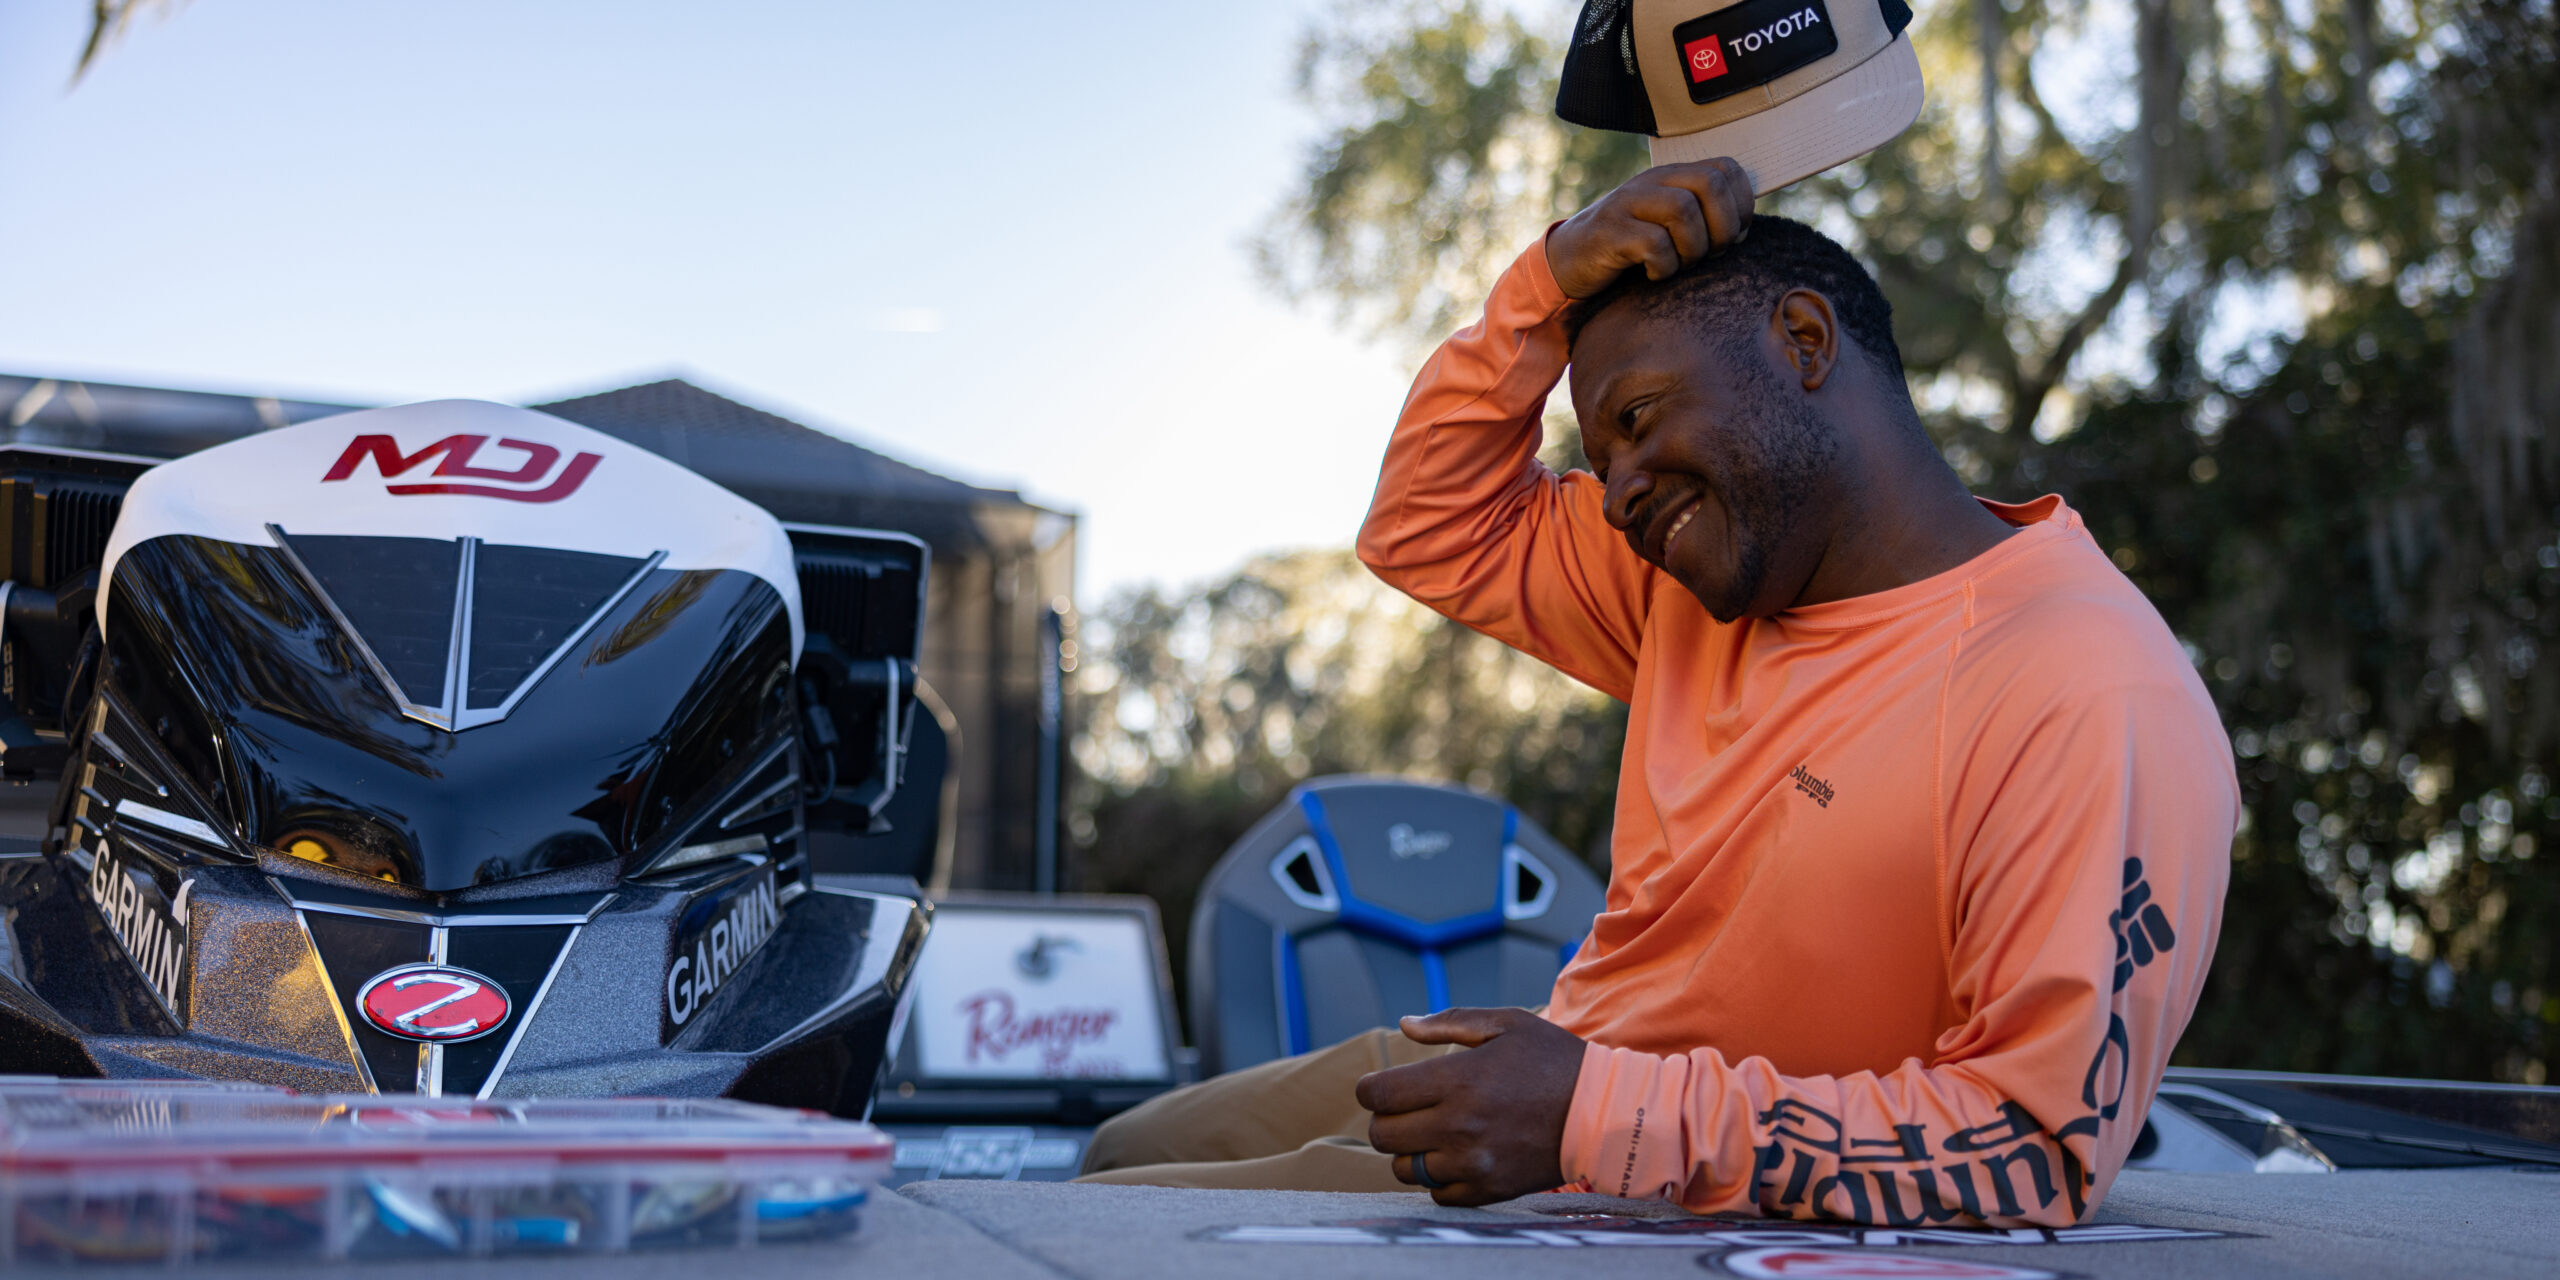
{"type": "Point", "coordinates": [1780, 449]}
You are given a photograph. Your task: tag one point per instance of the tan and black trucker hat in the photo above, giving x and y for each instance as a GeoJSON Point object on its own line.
{"type": "Point", "coordinates": [1787, 87]}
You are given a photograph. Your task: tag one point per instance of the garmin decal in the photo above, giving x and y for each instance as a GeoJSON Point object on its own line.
{"type": "Point", "coordinates": [532, 479]}
{"type": "Point", "coordinates": [719, 931]}
{"type": "Point", "coordinates": [152, 930]}
{"type": "Point", "coordinates": [433, 1003]}
{"type": "Point", "coordinates": [1575, 1231]}
{"type": "Point", "coordinates": [1750, 44]}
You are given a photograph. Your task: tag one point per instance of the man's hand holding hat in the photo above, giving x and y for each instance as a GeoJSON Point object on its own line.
{"type": "Point", "coordinates": [1661, 220]}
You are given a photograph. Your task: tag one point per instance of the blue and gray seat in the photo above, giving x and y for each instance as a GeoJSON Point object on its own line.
{"type": "Point", "coordinates": [1364, 899]}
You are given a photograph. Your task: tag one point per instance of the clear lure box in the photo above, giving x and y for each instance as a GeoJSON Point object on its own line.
{"type": "Point", "coordinates": [124, 1172]}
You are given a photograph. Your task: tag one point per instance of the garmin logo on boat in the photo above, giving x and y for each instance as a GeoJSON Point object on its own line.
{"type": "Point", "coordinates": [151, 931]}
{"type": "Point", "coordinates": [1405, 842]}
{"type": "Point", "coordinates": [1747, 45]}
{"type": "Point", "coordinates": [540, 476]}
{"type": "Point", "coordinates": [433, 1003]}
{"type": "Point", "coordinates": [708, 953]}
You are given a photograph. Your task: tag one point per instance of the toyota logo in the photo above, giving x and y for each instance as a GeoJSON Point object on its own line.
{"type": "Point", "coordinates": [435, 1003]}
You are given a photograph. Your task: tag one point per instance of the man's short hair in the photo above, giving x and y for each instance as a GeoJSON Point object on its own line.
{"type": "Point", "coordinates": [1726, 296]}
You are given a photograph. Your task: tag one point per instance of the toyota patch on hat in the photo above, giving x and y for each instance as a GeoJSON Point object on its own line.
{"type": "Point", "coordinates": [1787, 87]}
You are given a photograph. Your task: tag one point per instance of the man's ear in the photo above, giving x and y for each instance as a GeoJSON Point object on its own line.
{"type": "Point", "coordinates": [1808, 336]}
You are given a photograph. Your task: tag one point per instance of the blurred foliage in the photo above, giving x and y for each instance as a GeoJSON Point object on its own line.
{"type": "Point", "coordinates": [108, 20]}
{"type": "Point", "coordinates": [1203, 707]}
{"type": "Point", "coordinates": [2270, 292]}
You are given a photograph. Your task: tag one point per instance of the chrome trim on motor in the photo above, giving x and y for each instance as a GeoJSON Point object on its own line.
{"type": "Point", "coordinates": [453, 711]}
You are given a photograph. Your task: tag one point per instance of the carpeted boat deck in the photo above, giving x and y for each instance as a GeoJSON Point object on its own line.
{"type": "Point", "coordinates": [2478, 1224]}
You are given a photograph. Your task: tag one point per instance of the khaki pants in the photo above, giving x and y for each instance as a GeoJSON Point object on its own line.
{"type": "Point", "coordinates": [1290, 1125]}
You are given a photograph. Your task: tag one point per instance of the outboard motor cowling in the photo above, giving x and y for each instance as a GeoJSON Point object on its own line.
{"type": "Point", "coordinates": [450, 748]}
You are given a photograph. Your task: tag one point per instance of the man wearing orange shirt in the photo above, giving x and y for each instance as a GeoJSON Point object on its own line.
{"type": "Point", "coordinates": [1923, 820]}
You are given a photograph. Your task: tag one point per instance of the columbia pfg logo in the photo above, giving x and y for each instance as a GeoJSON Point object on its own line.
{"type": "Point", "coordinates": [1812, 786]}
{"type": "Point", "coordinates": [539, 477]}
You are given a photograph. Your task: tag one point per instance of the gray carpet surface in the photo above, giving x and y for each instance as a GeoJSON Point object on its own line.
{"type": "Point", "coordinates": [899, 1238]}
{"type": "Point", "coordinates": [2478, 1224]}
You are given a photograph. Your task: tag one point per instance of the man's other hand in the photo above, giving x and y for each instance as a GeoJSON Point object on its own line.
{"type": "Point", "coordinates": [1662, 219]}
{"type": "Point", "coordinates": [1488, 1122]}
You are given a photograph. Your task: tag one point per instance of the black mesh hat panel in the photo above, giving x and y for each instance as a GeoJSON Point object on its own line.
{"type": "Point", "coordinates": [1600, 87]}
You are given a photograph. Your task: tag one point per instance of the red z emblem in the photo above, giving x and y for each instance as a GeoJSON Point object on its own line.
{"type": "Point", "coordinates": [457, 453]}
{"type": "Point", "coordinates": [433, 1002]}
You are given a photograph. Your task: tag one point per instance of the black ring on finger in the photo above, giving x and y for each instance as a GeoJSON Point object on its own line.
{"type": "Point", "coordinates": [1423, 1175]}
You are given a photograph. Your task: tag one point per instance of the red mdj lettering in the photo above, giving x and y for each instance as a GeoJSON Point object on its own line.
{"type": "Point", "coordinates": [455, 454]}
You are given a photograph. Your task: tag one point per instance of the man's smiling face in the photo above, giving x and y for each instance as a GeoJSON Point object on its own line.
{"type": "Point", "coordinates": [1711, 458]}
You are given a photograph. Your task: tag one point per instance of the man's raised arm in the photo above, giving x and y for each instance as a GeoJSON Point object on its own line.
{"type": "Point", "coordinates": [1466, 519]}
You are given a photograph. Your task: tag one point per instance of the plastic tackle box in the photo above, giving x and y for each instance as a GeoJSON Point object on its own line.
{"type": "Point", "coordinates": [177, 1172]}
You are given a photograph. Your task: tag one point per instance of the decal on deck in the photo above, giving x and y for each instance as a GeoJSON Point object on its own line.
{"type": "Point", "coordinates": [1583, 1231]}
{"type": "Point", "coordinates": [1841, 1264]}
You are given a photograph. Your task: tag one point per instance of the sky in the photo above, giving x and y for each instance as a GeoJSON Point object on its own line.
{"type": "Point", "coordinates": [1005, 241]}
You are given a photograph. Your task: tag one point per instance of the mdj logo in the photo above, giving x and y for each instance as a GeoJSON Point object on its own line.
{"type": "Point", "coordinates": [532, 480]}
{"type": "Point", "coordinates": [1706, 58]}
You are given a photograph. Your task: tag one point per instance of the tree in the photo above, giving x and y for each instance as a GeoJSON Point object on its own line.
{"type": "Point", "coordinates": [2275, 303]}
{"type": "Point", "coordinates": [1201, 708]}
{"type": "Point", "coordinates": [108, 20]}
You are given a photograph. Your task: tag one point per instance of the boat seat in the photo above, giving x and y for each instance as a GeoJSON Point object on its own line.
{"type": "Point", "coordinates": [1362, 899]}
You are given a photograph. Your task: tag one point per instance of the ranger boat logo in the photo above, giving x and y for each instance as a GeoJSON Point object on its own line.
{"type": "Point", "coordinates": [539, 477]}
{"type": "Point", "coordinates": [1405, 842]}
{"type": "Point", "coordinates": [433, 1003]}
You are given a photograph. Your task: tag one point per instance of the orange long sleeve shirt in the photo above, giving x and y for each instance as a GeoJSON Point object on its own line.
{"type": "Point", "coordinates": [1911, 893]}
